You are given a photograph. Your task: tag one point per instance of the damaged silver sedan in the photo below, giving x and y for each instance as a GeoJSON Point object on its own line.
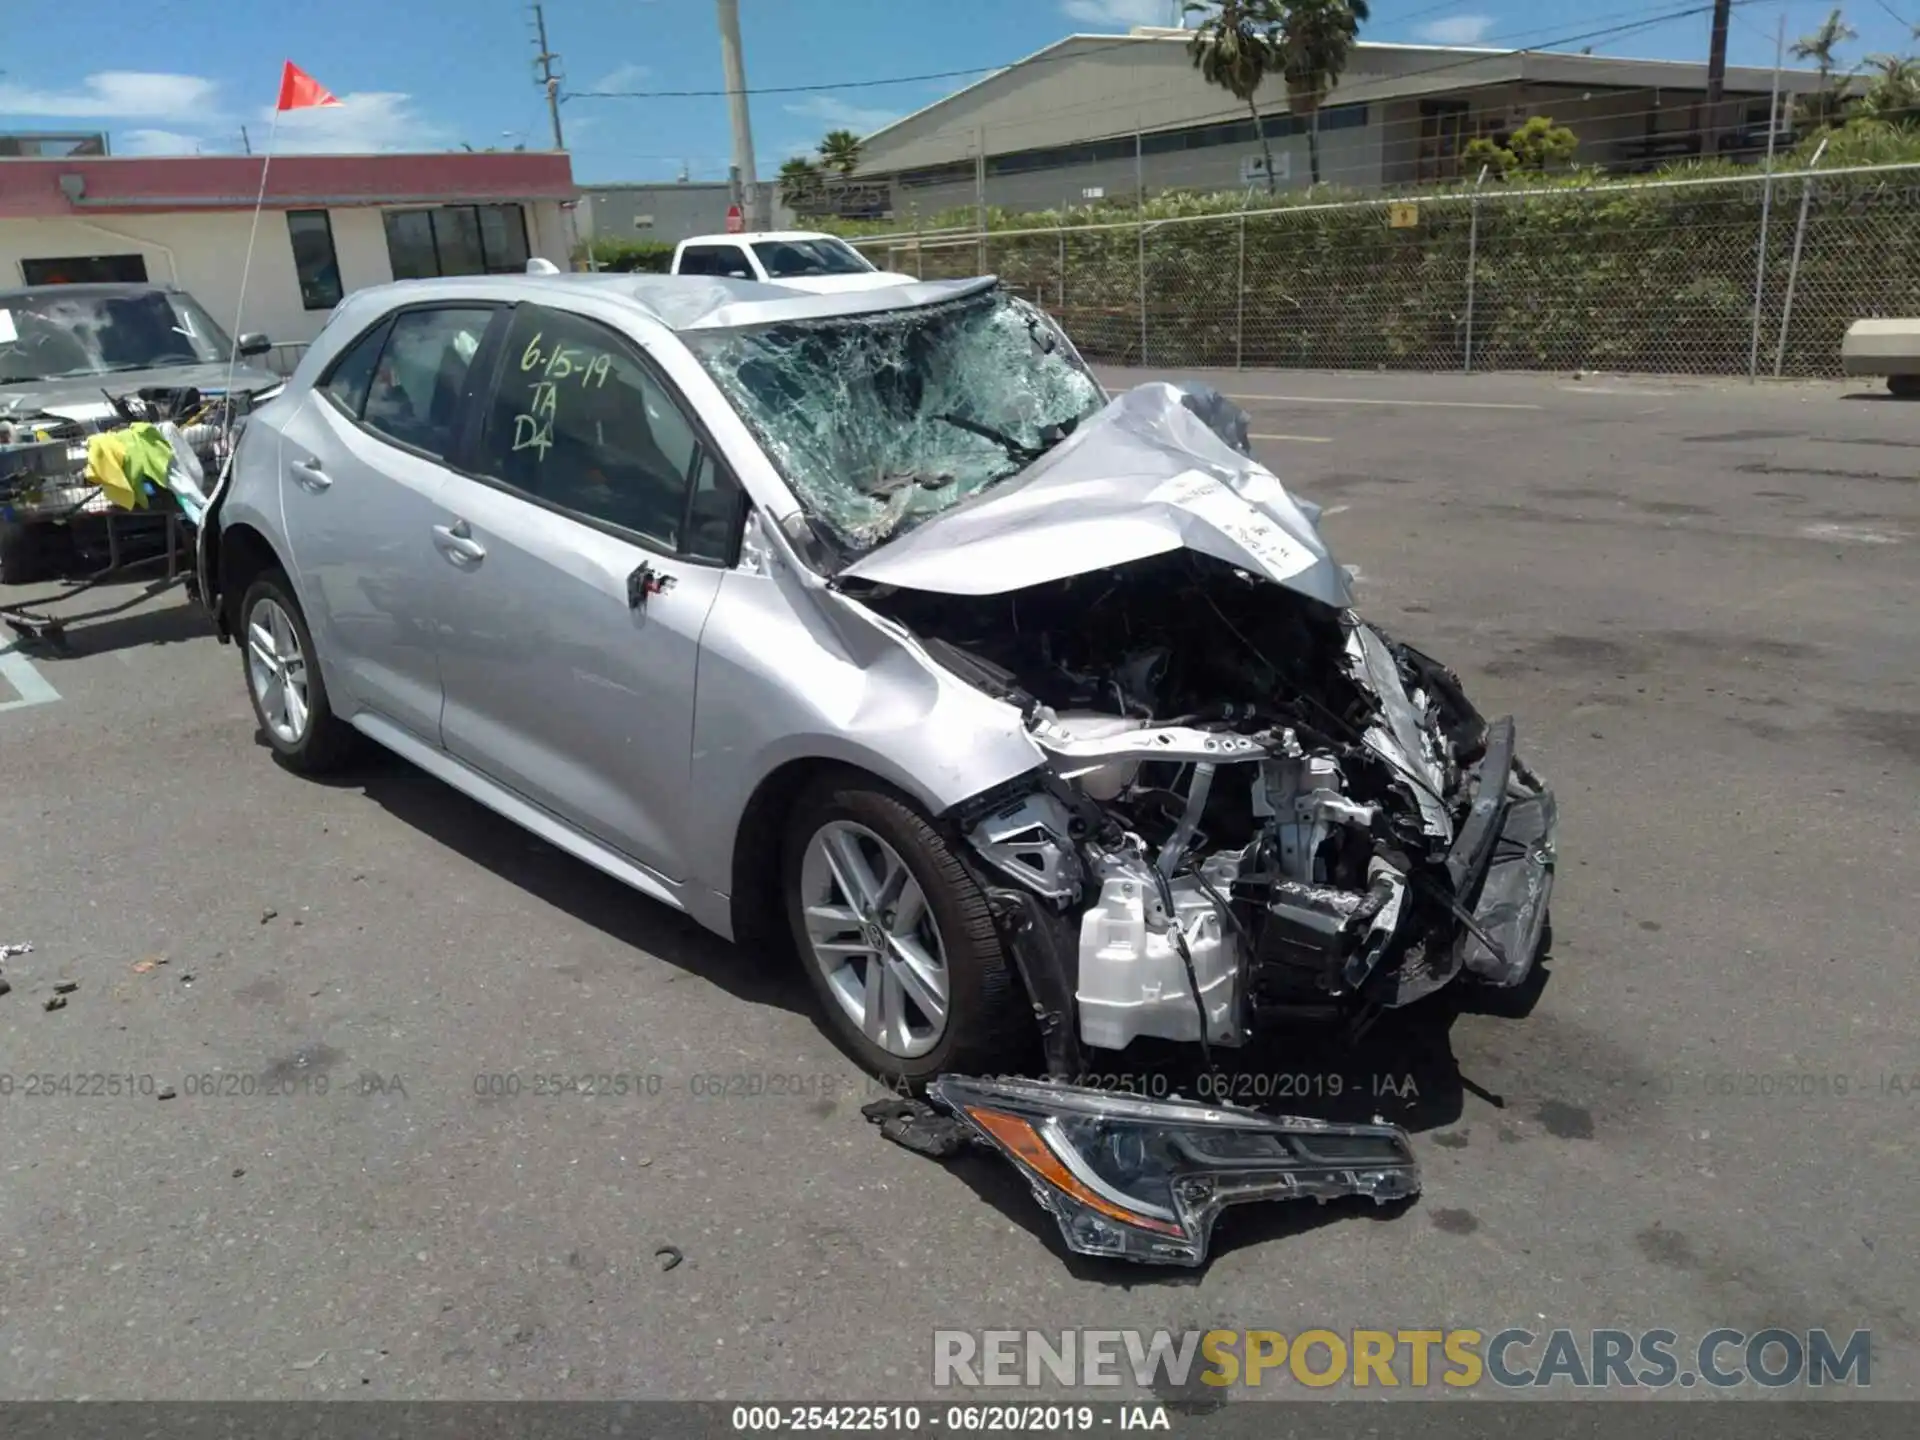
{"type": "Point", "coordinates": [1039, 720]}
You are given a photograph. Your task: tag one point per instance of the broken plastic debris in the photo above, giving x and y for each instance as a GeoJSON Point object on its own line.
{"type": "Point", "coordinates": [66, 987]}
{"type": "Point", "coordinates": [55, 1002]}
{"type": "Point", "coordinates": [18, 947]}
{"type": "Point", "coordinates": [918, 1127]}
{"type": "Point", "coordinates": [152, 962]}
{"type": "Point", "coordinates": [669, 1255]}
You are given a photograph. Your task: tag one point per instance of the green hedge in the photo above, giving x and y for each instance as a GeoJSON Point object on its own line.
{"type": "Point", "coordinates": [617, 253]}
{"type": "Point", "coordinates": [1615, 276]}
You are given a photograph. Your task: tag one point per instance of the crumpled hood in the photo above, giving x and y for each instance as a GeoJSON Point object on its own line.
{"type": "Point", "coordinates": [83, 392]}
{"type": "Point", "coordinates": [1139, 478]}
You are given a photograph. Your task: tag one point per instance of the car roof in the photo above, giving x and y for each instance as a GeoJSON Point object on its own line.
{"type": "Point", "coordinates": [683, 302]}
{"type": "Point", "coordinates": [758, 235]}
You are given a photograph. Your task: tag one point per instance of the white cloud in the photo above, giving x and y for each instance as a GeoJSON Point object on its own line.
{"type": "Point", "coordinates": [141, 94]}
{"type": "Point", "coordinates": [1121, 14]}
{"type": "Point", "coordinates": [834, 114]}
{"type": "Point", "coordinates": [623, 77]}
{"type": "Point", "coordinates": [1456, 29]}
{"type": "Point", "coordinates": [155, 142]}
{"type": "Point", "coordinates": [363, 121]}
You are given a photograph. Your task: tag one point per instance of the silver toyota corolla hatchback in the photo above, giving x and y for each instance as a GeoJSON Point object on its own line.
{"type": "Point", "coordinates": [1037, 720]}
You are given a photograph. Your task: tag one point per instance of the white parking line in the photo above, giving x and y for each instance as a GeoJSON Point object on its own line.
{"type": "Point", "coordinates": [1376, 400]}
{"type": "Point", "coordinates": [18, 671]}
{"type": "Point", "coordinates": [1302, 439]}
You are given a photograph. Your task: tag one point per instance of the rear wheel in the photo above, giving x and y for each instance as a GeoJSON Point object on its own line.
{"type": "Point", "coordinates": [284, 682]}
{"type": "Point", "coordinates": [896, 937]}
{"type": "Point", "coordinates": [1907, 387]}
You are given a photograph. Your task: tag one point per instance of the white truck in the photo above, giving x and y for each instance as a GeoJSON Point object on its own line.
{"type": "Point", "coordinates": [800, 259]}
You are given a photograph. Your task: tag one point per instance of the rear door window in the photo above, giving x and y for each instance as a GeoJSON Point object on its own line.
{"type": "Point", "coordinates": [417, 386]}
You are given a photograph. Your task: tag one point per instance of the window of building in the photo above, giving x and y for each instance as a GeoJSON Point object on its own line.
{"type": "Point", "coordinates": [457, 240]}
{"type": "Point", "coordinates": [581, 423]}
{"type": "Point", "coordinates": [86, 270]}
{"type": "Point", "coordinates": [313, 259]}
{"type": "Point", "coordinates": [421, 374]}
{"type": "Point", "coordinates": [1164, 142]}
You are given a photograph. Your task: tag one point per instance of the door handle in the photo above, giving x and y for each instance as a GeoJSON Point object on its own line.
{"type": "Point", "coordinates": [308, 473]}
{"type": "Point", "coordinates": [456, 542]}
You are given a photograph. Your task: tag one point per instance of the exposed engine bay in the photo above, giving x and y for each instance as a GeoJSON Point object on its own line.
{"type": "Point", "coordinates": [1258, 809]}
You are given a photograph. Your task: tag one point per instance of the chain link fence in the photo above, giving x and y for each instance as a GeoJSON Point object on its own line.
{"type": "Point", "coordinates": [1723, 276]}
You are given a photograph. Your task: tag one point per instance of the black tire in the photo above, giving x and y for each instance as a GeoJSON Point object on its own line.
{"type": "Point", "coordinates": [327, 743]}
{"type": "Point", "coordinates": [1907, 387]}
{"type": "Point", "coordinates": [989, 1027]}
{"type": "Point", "coordinates": [23, 553]}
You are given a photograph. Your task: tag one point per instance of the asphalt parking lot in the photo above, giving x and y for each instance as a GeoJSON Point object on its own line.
{"type": "Point", "coordinates": [1699, 600]}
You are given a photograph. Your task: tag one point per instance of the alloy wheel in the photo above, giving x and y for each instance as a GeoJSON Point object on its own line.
{"type": "Point", "coordinates": [277, 670]}
{"type": "Point", "coordinates": [874, 938]}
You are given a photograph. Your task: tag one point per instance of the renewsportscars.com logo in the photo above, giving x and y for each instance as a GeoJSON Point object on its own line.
{"type": "Point", "coordinates": [1513, 1358]}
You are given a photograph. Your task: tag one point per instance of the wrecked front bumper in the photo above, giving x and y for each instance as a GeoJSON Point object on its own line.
{"type": "Point", "coordinates": [1145, 1180]}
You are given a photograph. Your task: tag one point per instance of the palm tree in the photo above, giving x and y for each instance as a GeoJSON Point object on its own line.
{"type": "Point", "coordinates": [1820, 45]}
{"type": "Point", "coordinates": [840, 151]}
{"type": "Point", "coordinates": [1317, 39]}
{"type": "Point", "coordinates": [799, 181]}
{"type": "Point", "coordinates": [1235, 47]}
{"type": "Point", "coordinates": [1894, 93]}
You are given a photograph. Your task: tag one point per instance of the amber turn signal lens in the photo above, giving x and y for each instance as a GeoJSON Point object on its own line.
{"type": "Point", "coordinates": [1022, 1140]}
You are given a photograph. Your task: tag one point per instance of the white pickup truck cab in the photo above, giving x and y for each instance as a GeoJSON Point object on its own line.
{"type": "Point", "coordinates": [801, 259]}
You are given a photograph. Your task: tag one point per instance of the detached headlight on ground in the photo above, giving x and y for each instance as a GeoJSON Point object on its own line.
{"type": "Point", "coordinates": [1145, 1179]}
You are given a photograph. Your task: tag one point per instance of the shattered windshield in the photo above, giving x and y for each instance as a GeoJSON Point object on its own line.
{"type": "Point", "coordinates": [47, 335]}
{"type": "Point", "coordinates": [878, 421]}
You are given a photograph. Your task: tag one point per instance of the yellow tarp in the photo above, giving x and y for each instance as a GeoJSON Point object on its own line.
{"type": "Point", "coordinates": [121, 462]}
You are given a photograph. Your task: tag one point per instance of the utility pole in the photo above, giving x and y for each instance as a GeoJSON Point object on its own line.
{"type": "Point", "coordinates": [549, 77]}
{"type": "Point", "coordinates": [1716, 78]}
{"type": "Point", "coordinates": [735, 69]}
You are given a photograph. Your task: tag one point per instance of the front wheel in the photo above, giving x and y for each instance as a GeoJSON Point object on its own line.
{"type": "Point", "coordinates": [1907, 387]}
{"type": "Point", "coordinates": [284, 682]}
{"type": "Point", "coordinates": [896, 937]}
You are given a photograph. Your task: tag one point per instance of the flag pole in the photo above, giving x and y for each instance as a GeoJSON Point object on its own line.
{"type": "Point", "coordinates": [246, 268]}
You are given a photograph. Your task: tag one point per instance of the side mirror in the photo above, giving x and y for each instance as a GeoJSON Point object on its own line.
{"type": "Point", "coordinates": [255, 344]}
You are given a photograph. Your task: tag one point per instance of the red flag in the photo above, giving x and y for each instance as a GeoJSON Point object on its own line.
{"type": "Point", "coordinates": [300, 91]}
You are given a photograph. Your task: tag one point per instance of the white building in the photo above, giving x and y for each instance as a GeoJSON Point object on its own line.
{"type": "Point", "coordinates": [1096, 116]}
{"type": "Point", "coordinates": [330, 224]}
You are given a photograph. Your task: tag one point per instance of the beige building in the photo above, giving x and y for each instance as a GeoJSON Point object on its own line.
{"type": "Point", "coordinates": [1096, 117]}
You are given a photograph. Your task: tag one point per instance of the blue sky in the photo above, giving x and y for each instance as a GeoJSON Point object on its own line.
{"type": "Point", "coordinates": [430, 74]}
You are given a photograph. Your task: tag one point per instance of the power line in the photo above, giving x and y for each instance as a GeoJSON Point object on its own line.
{"type": "Point", "coordinates": [842, 85]}
{"type": "Point", "coordinates": [1477, 57]}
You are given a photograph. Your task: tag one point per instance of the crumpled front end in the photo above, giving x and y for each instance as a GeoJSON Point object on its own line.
{"type": "Point", "coordinates": [1255, 809]}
